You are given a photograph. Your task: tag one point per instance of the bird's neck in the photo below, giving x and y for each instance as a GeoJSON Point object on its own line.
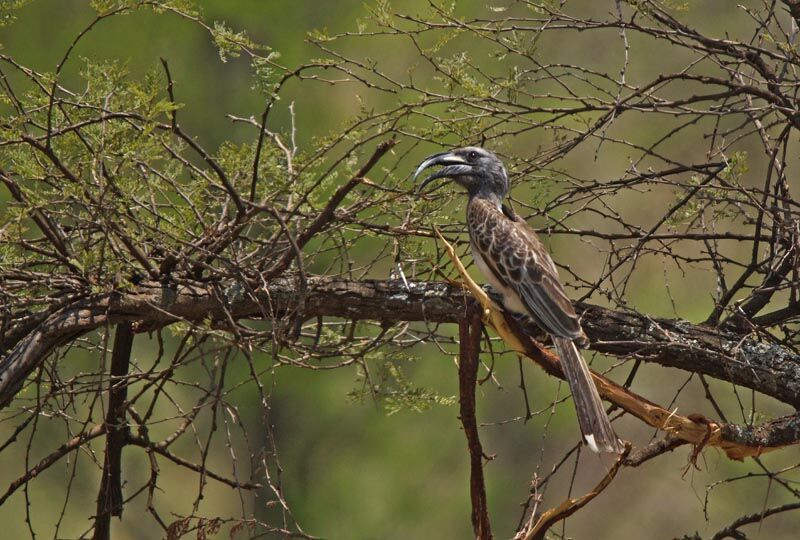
{"type": "Point", "coordinates": [486, 195]}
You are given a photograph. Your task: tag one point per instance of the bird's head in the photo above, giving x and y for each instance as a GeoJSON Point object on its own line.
{"type": "Point", "coordinates": [479, 171]}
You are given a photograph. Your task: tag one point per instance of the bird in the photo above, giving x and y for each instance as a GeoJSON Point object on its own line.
{"type": "Point", "coordinates": [517, 265]}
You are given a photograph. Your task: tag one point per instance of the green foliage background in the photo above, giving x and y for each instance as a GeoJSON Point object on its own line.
{"type": "Point", "coordinates": [352, 469]}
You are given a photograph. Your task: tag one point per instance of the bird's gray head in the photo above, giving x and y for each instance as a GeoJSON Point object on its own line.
{"type": "Point", "coordinates": [479, 171]}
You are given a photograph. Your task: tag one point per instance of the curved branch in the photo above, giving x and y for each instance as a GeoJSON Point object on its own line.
{"type": "Point", "coordinates": [766, 367]}
{"type": "Point", "coordinates": [731, 531]}
{"type": "Point", "coordinates": [570, 506]}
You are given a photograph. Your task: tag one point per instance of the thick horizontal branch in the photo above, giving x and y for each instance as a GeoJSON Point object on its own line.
{"type": "Point", "coordinates": [762, 366]}
{"type": "Point", "coordinates": [154, 305]}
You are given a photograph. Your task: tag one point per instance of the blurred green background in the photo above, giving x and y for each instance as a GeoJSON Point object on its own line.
{"type": "Point", "coordinates": [350, 470]}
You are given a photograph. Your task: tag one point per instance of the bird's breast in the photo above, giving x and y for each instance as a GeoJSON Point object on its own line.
{"type": "Point", "coordinates": [511, 300]}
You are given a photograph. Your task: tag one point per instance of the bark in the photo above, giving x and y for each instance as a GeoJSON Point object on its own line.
{"type": "Point", "coordinates": [109, 498]}
{"type": "Point", "coordinates": [470, 334]}
{"type": "Point", "coordinates": [743, 360]}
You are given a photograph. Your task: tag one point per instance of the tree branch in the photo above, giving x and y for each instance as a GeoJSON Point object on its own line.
{"type": "Point", "coordinates": [109, 498]}
{"type": "Point", "coordinates": [731, 531]}
{"type": "Point", "coordinates": [73, 444]}
{"type": "Point", "coordinates": [763, 366]}
{"type": "Point", "coordinates": [327, 214]}
{"type": "Point", "coordinates": [469, 333]}
{"type": "Point", "coordinates": [570, 506]}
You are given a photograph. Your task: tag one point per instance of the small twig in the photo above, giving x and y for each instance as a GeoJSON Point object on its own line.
{"type": "Point", "coordinates": [731, 530]}
{"type": "Point", "coordinates": [653, 450]}
{"type": "Point", "coordinates": [570, 506]}
{"type": "Point", "coordinates": [71, 445]}
{"type": "Point", "coordinates": [328, 212]}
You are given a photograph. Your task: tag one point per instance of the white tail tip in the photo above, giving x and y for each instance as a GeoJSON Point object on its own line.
{"type": "Point", "coordinates": [591, 444]}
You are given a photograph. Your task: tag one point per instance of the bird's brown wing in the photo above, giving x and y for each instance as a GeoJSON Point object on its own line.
{"type": "Point", "coordinates": [518, 259]}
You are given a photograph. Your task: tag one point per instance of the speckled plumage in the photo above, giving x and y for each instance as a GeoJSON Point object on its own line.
{"type": "Point", "coordinates": [514, 261]}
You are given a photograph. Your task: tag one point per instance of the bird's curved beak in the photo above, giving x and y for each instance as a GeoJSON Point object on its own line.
{"type": "Point", "coordinates": [454, 165]}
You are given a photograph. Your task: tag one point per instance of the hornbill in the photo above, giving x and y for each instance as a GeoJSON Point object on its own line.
{"type": "Point", "coordinates": [516, 264]}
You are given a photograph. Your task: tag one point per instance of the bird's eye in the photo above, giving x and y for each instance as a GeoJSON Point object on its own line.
{"type": "Point", "coordinates": [472, 156]}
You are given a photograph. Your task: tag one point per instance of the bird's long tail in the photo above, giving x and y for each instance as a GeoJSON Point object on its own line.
{"type": "Point", "coordinates": [592, 417]}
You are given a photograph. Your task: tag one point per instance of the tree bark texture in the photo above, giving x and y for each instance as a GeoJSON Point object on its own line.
{"type": "Point", "coordinates": [743, 360]}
